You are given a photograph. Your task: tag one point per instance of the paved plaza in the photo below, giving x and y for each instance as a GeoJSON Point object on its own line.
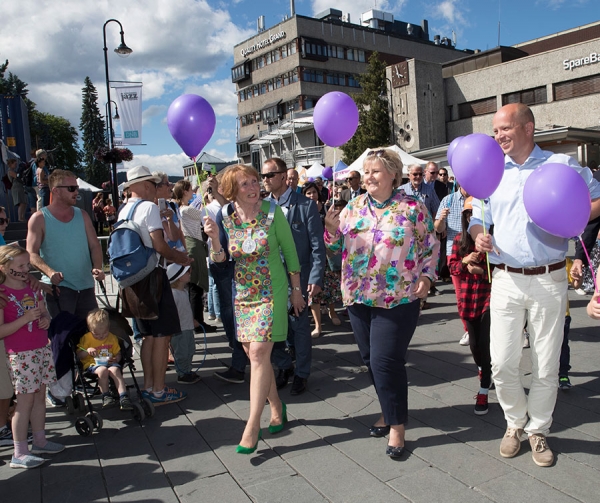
{"type": "Point", "coordinates": [186, 452]}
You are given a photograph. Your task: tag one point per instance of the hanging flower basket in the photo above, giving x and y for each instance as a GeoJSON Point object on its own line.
{"type": "Point", "coordinates": [116, 155]}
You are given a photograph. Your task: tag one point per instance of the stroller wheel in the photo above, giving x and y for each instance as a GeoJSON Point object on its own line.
{"type": "Point", "coordinates": [84, 426]}
{"type": "Point", "coordinates": [96, 420]}
{"type": "Point", "coordinates": [138, 412]}
{"type": "Point", "coordinates": [148, 407]}
{"type": "Point", "coordinates": [80, 403]}
{"type": "Point", "coordinates": [70, 405]}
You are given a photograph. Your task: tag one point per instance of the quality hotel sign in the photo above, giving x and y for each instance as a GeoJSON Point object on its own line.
{"type": "Point", "coordinates": [263, 43]}
{"type": "Point", "coordinates": [571, 64]}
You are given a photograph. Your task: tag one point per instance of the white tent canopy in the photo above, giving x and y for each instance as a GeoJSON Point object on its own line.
{"type": "Point", "coordinates": [315, 170]}
{"type": "Point", "coordinates": [407, 160]}
{"type": "Point", "coordinates": [82, 184]}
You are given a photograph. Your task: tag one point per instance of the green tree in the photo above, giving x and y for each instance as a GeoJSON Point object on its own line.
{"type": "Point", "coordinates": [93, 136]}
{"type": "Point", "coordinates": [373, 112]}
{"type": "Point", "coordinates": [56, 135]}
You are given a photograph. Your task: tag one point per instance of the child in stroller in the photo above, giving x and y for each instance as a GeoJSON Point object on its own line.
{"type": "Point", "coordinates": [100, 354]}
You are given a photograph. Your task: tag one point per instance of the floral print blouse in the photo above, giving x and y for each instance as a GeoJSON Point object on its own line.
{"type": "Point", "coordinates": [382, 258]}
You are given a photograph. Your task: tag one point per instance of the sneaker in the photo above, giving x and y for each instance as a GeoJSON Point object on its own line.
{"type": "Point", "coordinates": [125, 403]}
{"type": "Point", "coordinates": [212, 317]}
{"type": "Point", "coordinates": [49, 448]}
{"type": "Point", "coordinates": [481, 404]}
{"type": "Point", "coordinates": [540, 452]}
{"type": "Point", "coordinates": [108, 401]}
{"type": "Point", "coordinates": [580, 291]}
{"type": "Point", "coordinates": [563, 383]}
{"type": "Point", "coordinates": [464, 340]}
{"type": "Point", "coordinates": [511, 442]}
{"type": "Point", "coordinates": [26, 462]}
{"type": "Point", "coordinates": [191, 378]}
{"type": "Point", "coordinates": [230, 375]}
{"type": "Point", "coordinates": [6, 437]}
{"type": "Point", "coordinates": [170, 395]}
{"type": "Point", "coordinates": [52, 401]}
{"type": "Point", "coordinates": [218, 320]}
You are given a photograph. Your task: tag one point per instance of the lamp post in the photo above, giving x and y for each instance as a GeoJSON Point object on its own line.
{"type": "Point", "coordinates": [393, 131]}
{"type": "Point", "coordinates": [122, 51]}
{"type": "Point", "coordinates": [110, 133]}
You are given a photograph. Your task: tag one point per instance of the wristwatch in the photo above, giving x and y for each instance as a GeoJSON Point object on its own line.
{"type": "Point", "coordinates": [297, 288]}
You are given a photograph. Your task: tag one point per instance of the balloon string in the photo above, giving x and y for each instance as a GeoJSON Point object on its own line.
{"type": "Point", "coordinates": [452, 193]}
{"type": "Point", "coordinates": [589, 263]}
{"type": "Point", "coordinates": [487, 255]}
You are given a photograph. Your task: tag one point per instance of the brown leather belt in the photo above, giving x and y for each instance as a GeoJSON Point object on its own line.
{"type": "Point", "coordinates": [533, 271]}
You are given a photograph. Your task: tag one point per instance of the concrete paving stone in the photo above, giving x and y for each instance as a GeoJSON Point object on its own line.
{"type": "Point", "coordinates": [573, 416]}
{"type": "Point", "coordinates": [518, 487]}
{"type": "Point", "coordinates": [308, 406]}
{"type": "Point", "coordinates": [431, 484]}
{"type": "Point", "coordinates": [297, 440]}
{"type": "Point", "coordinates": [284, 490]}
{"type": "Point", "coordinates": [217, 489]}
{"type": "Point", "coordinates": [340, 479]}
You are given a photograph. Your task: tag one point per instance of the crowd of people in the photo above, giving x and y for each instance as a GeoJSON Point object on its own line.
{"type": "Point", "coordinates": [265, 253]}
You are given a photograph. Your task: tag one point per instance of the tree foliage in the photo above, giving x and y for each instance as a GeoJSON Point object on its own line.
{"type": "Point", "coordinates": [93, 136]}
{"type": "Point", "coordinates": [373, 112]}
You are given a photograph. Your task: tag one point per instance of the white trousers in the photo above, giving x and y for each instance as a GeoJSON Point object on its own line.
{"type": "Point", "coordinates": [542, 301]}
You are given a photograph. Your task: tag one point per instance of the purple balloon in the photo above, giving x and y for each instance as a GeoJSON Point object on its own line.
{"type": "Point", "coordinates": [328, 173]}
{"type": "Point", "coordinates": [557, 199]}
{"type": "Point", "coordinates": [451, 148]}
{"type": "Point", "coordinates": [191, 121]}
{"type": "Point", "coordinates": [335, 118]}
{"type": "Point", "coordinates": [478, 164]}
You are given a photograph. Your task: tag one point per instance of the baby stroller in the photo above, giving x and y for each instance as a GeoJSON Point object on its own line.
{"type": "Point", "coordinates": [65, 332]}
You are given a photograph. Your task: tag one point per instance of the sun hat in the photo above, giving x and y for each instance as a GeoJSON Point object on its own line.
{"type": "Point", "coordinates": [140, 174]}
{"type": "Point", "coordinates": [176, 271]}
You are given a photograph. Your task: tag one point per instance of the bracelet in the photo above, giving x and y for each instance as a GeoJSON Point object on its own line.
{"type": "Point", "coordinates": [215, 253]}
{"type": "Point", "coordinates": [296, 289]}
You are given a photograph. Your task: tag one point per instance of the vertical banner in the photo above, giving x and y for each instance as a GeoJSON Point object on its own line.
{"type": "Point", "coordinates": [129, 101]}
{"type": "Point", "coordinates": [14, 125]}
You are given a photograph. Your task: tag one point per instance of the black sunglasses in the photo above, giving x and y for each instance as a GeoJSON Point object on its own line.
{"type": "Point", "coordinates": [416, 174]}
{"type": "Point", "coordinates": [70, 188]}
{"type": "Point", "coordinates": [271, 174]}
{"type": "Point", "coordinates": [378, 153]}
{"type": "Point", "coordinates": [3, 221]}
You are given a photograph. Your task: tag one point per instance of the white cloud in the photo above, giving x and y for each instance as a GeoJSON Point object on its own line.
{"type": "Point", "coordinates": [220, 94]}
{"type": "Point", "coordinates": [174, 44]}
{"type": "Point", "coordinates": [172, 164]}
{"type": "Point", "coordinates": [151, 112]}
{"type": "Point", "coordinates": [223, 141]}
{"type": "Point", "coordinates": [449, 16]}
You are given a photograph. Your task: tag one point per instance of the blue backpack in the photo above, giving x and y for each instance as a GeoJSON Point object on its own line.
{"type": "Point", "coordinates": [131, 257]}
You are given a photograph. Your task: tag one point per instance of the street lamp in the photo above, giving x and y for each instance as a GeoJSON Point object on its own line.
{"type": "Point", "coordinates": [393, 131]}
{"type": "Point", "coordinates": [122, 51]}
{"type": "Point", "coordinates": [116, 117]}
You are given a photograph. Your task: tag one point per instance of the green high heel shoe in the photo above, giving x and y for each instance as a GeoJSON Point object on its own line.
{"type": "Point", "coordinates": [240, 449]}
{"type": "Point", "coordinates": [276, 428]}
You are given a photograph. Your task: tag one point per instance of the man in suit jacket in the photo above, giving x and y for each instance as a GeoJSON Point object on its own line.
{"type": "Point", "coordinates": [307, 229]}
{"type": "Point", "coordinates": [431, 178]}
{"type": "Point", "coordinates": [355, 188]}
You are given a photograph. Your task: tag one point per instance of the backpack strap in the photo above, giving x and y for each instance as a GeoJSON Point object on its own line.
{"type": "Point", "coordinates": [271, 214]}
{"type": "Point", "coordinates": [132, 210]}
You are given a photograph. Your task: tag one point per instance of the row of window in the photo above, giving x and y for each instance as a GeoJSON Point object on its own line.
{"type": "Point", "coordinates": [270, 85]}
{"type": "Point", "coordinates": [584, 86]}
{"type": "Point", "coordinates": [275, 55]}
{"type": "Point", "coordinates": [334, 79]}
{"type": "Point", "coordinates": [269, 114]}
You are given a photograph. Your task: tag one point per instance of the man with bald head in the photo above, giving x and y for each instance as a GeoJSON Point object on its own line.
{"type": "Point", "coordinates": [292, 180]}
{"type": "Point", "coordinates": [529, 284]}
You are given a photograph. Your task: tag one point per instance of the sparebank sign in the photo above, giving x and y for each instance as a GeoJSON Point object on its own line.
{"type": "Point", "coordinates": [571, 64]}
{"type": "Point", "coordinates": [263, 43]}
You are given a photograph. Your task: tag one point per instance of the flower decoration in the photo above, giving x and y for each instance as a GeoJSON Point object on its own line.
{"type": "Point", "coordinates": [116, 155]}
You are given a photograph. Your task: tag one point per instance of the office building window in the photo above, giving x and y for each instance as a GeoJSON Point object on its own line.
{"type": "Point", "coordinates": [477, 107]}
{"type": "Point", "coordinates": [576, 88]}
{"type": "Point", "coordinates": [312, 76]}
{"type": "Point", "coordinates": [528, 97]}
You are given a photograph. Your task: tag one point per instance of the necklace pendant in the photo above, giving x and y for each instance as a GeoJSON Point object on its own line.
{"type": "Point", "coordinates": [249, 245]}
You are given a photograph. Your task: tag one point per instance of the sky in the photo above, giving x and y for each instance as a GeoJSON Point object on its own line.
{"type": "Point", "coordinates": [186, 46]}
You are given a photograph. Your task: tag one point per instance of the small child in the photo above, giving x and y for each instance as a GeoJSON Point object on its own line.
{"type": "Point", "coordinates": [183, 345]}
{"type": "Point", "coordinates": [24, 323]}
{"type": "Point", "coordinates": [100, 343]}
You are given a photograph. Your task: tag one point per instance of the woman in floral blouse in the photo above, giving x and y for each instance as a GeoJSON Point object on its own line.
{"type": "Point", "coordinates": [389, 253]}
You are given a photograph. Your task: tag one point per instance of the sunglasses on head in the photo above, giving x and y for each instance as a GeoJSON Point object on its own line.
{"type": "Point", "coordinates": [70, 188]}
{"type": "Point", "coordinates": [3, 221]}
{"type": "Point", "coordinates": [378, 153]}
{"type": "Point", "coordinates": [271, 174]}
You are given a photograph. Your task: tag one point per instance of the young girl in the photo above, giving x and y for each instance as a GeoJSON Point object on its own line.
{"type": "Point", "coordinates": [99, 342]}
{"type": "Point", "coordinates": [23, 326]}
{"type": "Point", "coordinates": [474, 303]}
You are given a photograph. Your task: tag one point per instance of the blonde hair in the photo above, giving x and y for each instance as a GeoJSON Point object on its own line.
{"type": "Point", "coordinates": [229, 186]}
{"type": "Point", "coordinates": [58, 175]}
{"type": "Point", "coordinates": [389, 159]}
{"type": "Point", "coordinates": [7, 254]}
{"type": "Point", "coordinates": [97, 318]}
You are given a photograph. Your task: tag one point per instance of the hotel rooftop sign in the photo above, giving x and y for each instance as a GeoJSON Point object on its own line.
{"type": "Point", "coordinates": [265, 42]}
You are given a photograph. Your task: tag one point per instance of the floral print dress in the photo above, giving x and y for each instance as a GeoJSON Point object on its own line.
{"type": "Point", "coordinates": [383, 257]}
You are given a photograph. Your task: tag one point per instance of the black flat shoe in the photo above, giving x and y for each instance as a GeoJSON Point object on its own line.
{"type": "Point", "coordinates": [394, 452]}
{"type": "Point", "coordinates": [379, 431]}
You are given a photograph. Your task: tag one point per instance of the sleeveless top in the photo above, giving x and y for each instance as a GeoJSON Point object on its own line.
{"type": "Point", "coordinates": [65, 249]}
